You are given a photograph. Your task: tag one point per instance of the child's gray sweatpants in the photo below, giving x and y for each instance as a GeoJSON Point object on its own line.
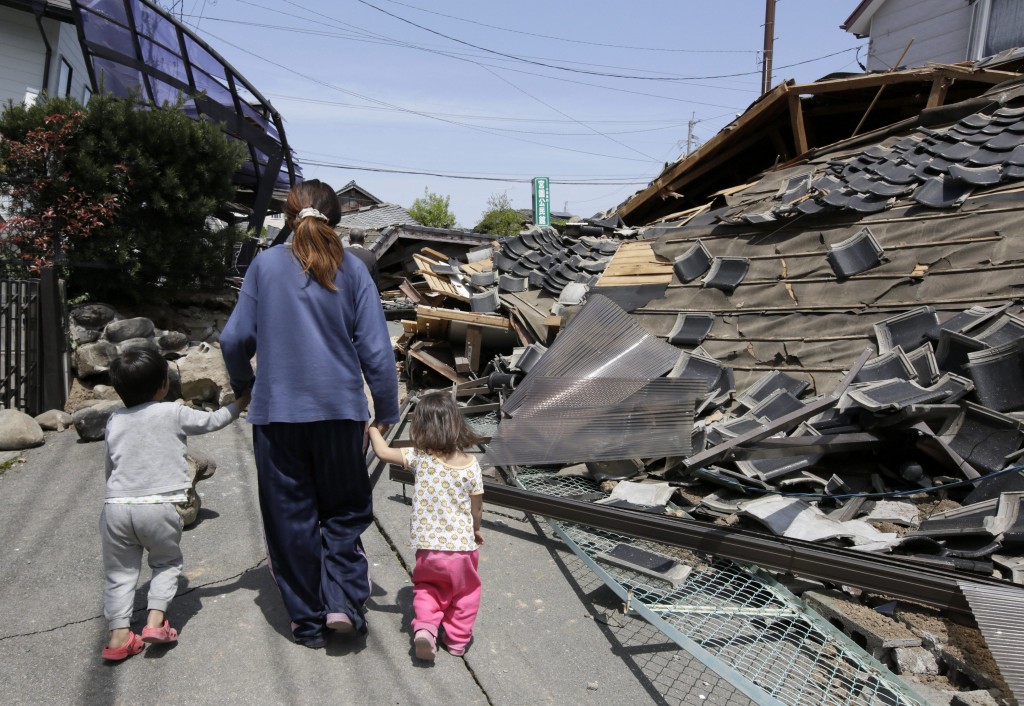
{"type": "Point", "coordinates": [126, 531]}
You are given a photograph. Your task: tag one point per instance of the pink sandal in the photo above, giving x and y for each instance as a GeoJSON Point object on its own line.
{"type": "Point", "coordinates": [159, 636]}
{"type": "Point", "coordinates": [132, 646]}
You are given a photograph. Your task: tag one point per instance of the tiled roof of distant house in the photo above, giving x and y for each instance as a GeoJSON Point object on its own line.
{"type": "Point", "coordinates": [377, 217]}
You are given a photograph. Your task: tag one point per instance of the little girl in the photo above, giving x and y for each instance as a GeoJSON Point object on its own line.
{"type": "Point", "coordinates": [447, 502]}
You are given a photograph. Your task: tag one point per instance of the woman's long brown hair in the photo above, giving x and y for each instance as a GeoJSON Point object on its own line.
{"type": "Point", "coordinates": [315, 244]}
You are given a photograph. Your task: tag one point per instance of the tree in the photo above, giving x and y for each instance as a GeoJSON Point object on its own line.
{"type": "Point", "coordinates": [500, 218]}
{"type": "Point", "coordinates": [48, 214]}
{"type": "Point", "coordinates": [432, 210]}
{"type": "Point", "coordinates": [178, 170]}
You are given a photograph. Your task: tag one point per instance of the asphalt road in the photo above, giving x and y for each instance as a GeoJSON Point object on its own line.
{"type": "Point", "coordinates": [547, 631]}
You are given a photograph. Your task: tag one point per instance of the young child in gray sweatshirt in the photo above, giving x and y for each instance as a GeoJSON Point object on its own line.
{"type": "Point", "coordinates": [147, 473]}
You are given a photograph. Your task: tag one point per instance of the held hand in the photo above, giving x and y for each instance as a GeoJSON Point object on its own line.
{"type": "Point", "coordinates": [244, 399]}
{"type": "Point", "coordinates": [381, 427]}
{"type": "Point", "coordinates": [479, 537]}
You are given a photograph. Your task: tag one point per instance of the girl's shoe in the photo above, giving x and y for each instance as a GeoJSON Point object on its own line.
{"type": "Point", "coordinates": [132, 646]}
{"type": "Point", "coordinates": [161, 635]}
{"type": "Point", "coordinates": [426, 645]}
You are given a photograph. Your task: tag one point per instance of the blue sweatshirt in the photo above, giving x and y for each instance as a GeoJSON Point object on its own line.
{"type": "Point", "coordinates": [313, 345]}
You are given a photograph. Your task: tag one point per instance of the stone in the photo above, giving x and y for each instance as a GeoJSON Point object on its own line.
{"type": "Point", "coordinates": [84, 335]}
{"type": "Point", "coordinates": [91, 422]}
{"type": "Point", "coordinates": [203, 375]}
{"type": "Point", "coordinates": [94, 358]}
{"type": "Point", "coordinates": [173, 341]}
{"type": "Point", "coordinates": [139, 327]}
{"type": "Point", "coordinates": [18, 431]}
{"type": "Point", "coordinates": [53, 420]}
{"type": "Point", "coordinates": [914, 660]}
{"type": "Point", "coordinates": [93, 316]}
{"type": "Point", "coordinates": [973, 698]}
{"type": "Point", "coordinates": [105, 392]}
{"type": "Point", "coordinates": [131, 343]}
{"type": "Point", "coordinates": [200, 467]}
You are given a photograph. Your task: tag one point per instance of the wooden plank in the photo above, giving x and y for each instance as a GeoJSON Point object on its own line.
{"type": "Point", "coordinates": [492, 320]}
{"type": "Point", "coordinates": [634, 280]}
{"type": "Point", "coordinates": [437, 365]}
{"type": "Point", "coordinates": [937, 96]}
{"type": "Point", "coordinates": [640, 268]}
{"type": "Point", "coordinates": [474, 339]}
{"type": "Point", "coordinates": [461, 364]}
{"type": "Point", "coordinates": [439, 256]}
{"type": "Point", "coordinates": [796, 120]}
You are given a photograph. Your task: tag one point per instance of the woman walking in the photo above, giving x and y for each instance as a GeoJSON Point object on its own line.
{"type": "Point", "coordinates": [314, 319]}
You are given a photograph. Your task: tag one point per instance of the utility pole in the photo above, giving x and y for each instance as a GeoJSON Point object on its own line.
{"type": "Point", "coordinates": [689, 132]}
{"type": "Point", "coordinates": [769, 41]}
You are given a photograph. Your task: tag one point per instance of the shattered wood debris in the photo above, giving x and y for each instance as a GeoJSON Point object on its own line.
{"type": "Point", "coordinates": [904, 243]}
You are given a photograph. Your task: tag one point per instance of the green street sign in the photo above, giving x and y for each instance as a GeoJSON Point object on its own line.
{"type": "Point", "coordinates": [542, 201]}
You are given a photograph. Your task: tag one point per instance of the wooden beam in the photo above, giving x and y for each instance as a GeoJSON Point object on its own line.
{"type": "Point", "coordinates": [796, 121]}
{"type": "Point", "coordinates": [491, 320]}
{"type": "Point", "coordinates": [437, 365]}
{"type": "Point", "coordinates": [937, 96]}
{"type": "Point", "coordinates": [767, 103]}
{"type": "Point", "coordinates": [474, 339]}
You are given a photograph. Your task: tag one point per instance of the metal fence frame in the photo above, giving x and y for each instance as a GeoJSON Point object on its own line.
{"type": "Point", "coordinates": [35, 370]}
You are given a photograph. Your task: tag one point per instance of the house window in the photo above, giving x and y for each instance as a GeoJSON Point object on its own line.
{"type": "Point", "coordinates": [64, 82]}
{"type": "Point", "coordinates": [997, 25]}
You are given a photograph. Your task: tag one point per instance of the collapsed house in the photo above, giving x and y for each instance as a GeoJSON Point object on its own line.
{"type": "Point", "coordinates": [813, 331]}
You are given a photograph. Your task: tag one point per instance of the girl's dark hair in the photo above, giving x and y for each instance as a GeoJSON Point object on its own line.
{"type": "Point", "coordinates": [438, 427]}
{"type": "Point", "coordinates": [137, 375]}
{"type": "Point", "coordinates": [315, 244]}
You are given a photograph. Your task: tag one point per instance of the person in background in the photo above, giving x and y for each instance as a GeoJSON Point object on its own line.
{"type": "Point", "coordinates": [447, 503]}
{"type": "Point", "coordinates": [146, 475]}
{"type": "Point", "coordinates": [357, 247]}
{"type": "Point", "coordinates": [313, 317]}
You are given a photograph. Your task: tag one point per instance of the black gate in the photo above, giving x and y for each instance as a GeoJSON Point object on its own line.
{"type": "Point", "coordinates": [34, 359]}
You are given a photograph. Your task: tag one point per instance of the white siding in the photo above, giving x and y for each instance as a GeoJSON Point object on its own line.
{"type": "Point", "coordinates": [940, 30]}
{"type": "Point", "coordinates": [67, 47]}
{"type": "Point", "coordinates": [23, 55]}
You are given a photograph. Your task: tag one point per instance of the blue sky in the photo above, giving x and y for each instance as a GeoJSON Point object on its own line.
{"type": "Point", "coordinates": [596, 95]}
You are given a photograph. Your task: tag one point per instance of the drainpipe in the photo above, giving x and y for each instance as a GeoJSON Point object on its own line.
{"type": "Point", "coordinates": [38, 6]}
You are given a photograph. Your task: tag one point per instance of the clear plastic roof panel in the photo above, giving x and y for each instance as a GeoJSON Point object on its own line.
{"type": "Point", "coordinates": [134, 47]}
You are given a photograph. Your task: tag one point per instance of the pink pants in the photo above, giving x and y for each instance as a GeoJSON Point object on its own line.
{"type": "Point", "coordinates": [446, 592]}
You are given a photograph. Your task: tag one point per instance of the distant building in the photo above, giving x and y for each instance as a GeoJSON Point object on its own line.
{"type": "Point", "coordinates": [353, 197]}
{"type": "Point", "coordinates": [943, 31]}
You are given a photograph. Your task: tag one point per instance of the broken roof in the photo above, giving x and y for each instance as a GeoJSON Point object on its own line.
{"type": "Point", "coordinates": [792, 119]}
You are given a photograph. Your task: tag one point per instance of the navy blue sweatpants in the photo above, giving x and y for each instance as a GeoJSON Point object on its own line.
{"type": "Point", "coordinates": [316, 501]}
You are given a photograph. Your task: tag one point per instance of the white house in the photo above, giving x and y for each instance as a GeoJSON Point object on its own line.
{"type": "Point", "coordinates": [40, 52]}
{"type": "Point", "coordinates": [941, 31]}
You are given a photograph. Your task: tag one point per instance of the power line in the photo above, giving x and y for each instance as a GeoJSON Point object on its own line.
{"type": "Point", "coordinates": [602, 45]}
{"type": "Point", "coordinates": [443, 175]}
{"type": "Point", "coordinates": [584, 71]}
{"type": "Point", "coordinates": [416, 112]}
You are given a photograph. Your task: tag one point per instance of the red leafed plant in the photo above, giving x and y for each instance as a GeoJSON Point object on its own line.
{"type": "Point", "coordinates": [47, 212]}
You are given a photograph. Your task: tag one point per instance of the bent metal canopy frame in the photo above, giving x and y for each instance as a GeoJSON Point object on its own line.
{"type": "Point", "coordinates": [132, 47]}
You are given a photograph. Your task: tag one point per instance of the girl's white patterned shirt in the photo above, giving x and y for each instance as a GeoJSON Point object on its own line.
{"type": "Point", "coordinates": [442, 517]}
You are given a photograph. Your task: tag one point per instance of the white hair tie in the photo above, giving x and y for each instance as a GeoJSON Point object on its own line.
{"type": "Point", "coordinates": [312, 213]}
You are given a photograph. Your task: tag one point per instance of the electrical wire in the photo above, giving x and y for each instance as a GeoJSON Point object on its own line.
{"type": "Point", "coordinates": [602, 45]}
{"type": "Point", "coordinates": [586, 71]}
{"type": "Point", "coordinates": [411, 111]}
{"type": "Point", "coordinates": [442, 175]}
